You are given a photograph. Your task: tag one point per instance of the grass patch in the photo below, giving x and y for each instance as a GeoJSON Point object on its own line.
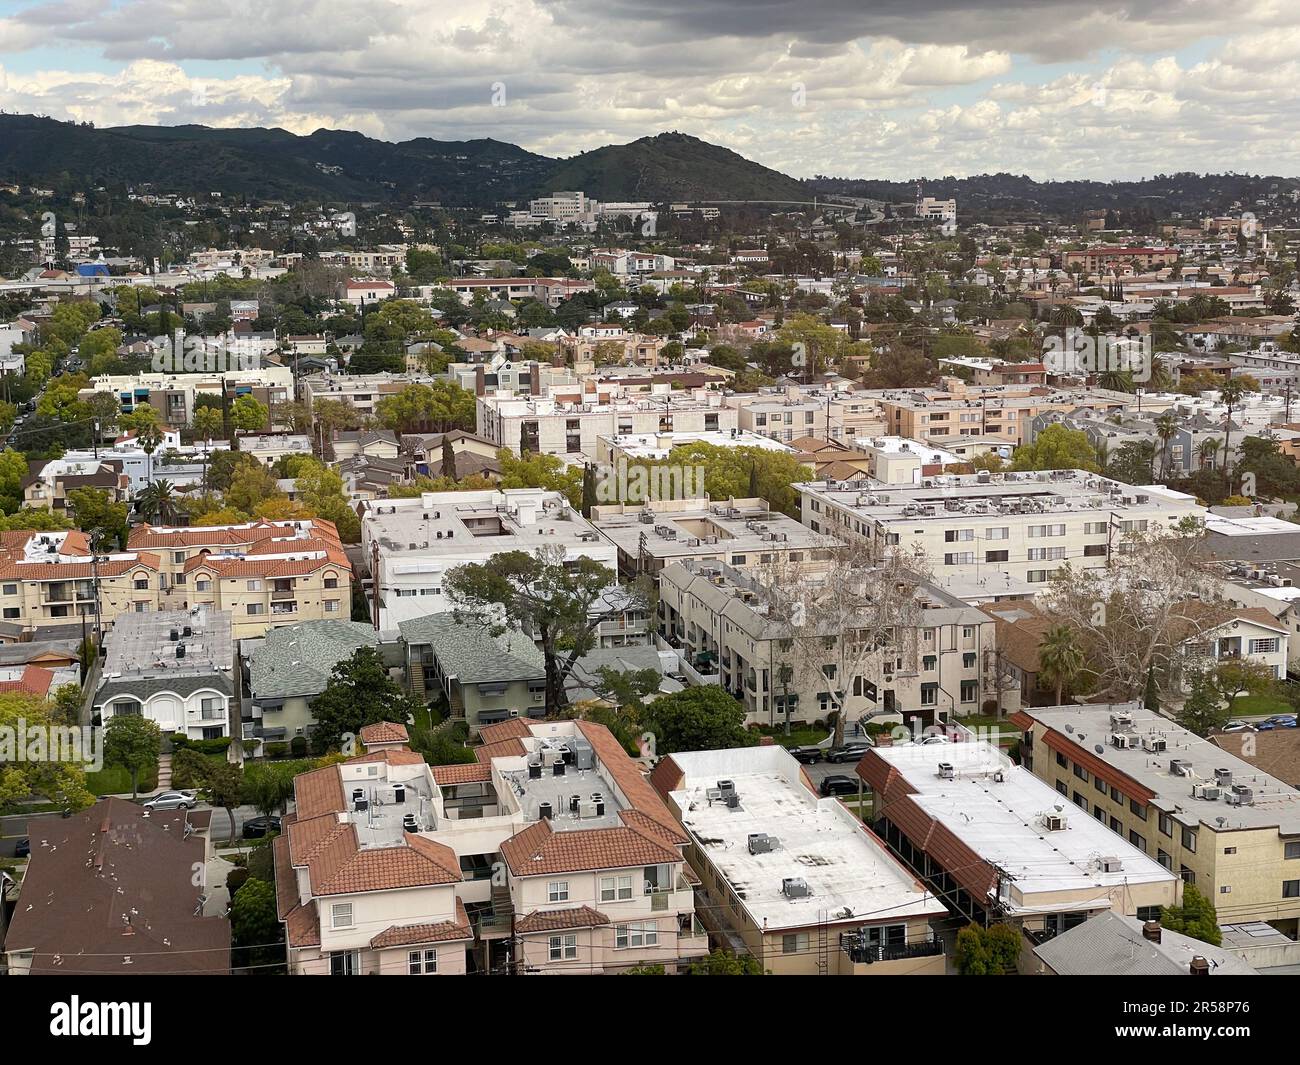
{"type": "Point", "coordinates": [799, 736]}
{"type": "Point", "coordinates": [1266, 705]}
{"type": "Point", "coordinates": [116, 780]}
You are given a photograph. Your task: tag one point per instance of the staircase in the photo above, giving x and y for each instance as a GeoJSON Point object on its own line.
{"type": "Point", "coordinates": [164, 772]}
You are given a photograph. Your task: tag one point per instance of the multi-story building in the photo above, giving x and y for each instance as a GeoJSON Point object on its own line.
{"type": "Point", "coordinates": [269, 448]}
{"type": "Point", "coordinates": [53, 585]}
{"type": "Point", "coordinates": [49, 481]}
{"type": "Point", "coordinates": [796, 878]}
{"type": "Point", "coordinates": [173, 395]}
{"type": "Point", "coordinates": [552, 854]}
{"type": "Point", "coordinates": [740, 532]}
{"type": "Point", "coordinates": [412, 543]}
{"type": "Point", "coordinates": [263, 573]}
{"type": "Point", "coordinates": [997, 843]}
{"type": "Point", "coordinates": [1025, 524]}
{"type": "Point", "coordinates": [1216, 821]}
{"type": "Point", "coordinates": [361, 392]}
{"type": "Point", "coordinates": [1096, 259]}
{"type": "Point", "coordinates": [793, 412]}
{"type": "Point", "coordinates": [722, 622]}
{"type": "Point", "coordinates": [173, 667]}
{"type": "Point", "coordinates": [541, 424]}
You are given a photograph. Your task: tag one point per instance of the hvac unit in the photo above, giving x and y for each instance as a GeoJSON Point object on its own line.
{"type": "Point", "coordinates": [1054, 822]}
{"type": "Point", "coordinates": [1240, 795]}
{"type": "Point", "coordinates": [1156, 744]}
{"type": "Point", "coordinates": [1180, 767]}
{"type": "Point", "coordinates": [760, 843]}
{"type": "Point", "coordinates": [1205, 791]}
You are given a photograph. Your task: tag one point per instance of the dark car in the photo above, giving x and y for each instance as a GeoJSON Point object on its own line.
{"type": "Point", "coordinates": [257, 827]}
{"type": "Point", "coordinates": [23, 848]}
{"type": "Point", "coordinates": [1277, 721]}
{"type": "Point", "coordinates": [839, 786]}
{"type": "Point", "coordinates": [807, 755]}
{"type": "Point", "coordinates": [850, 752]}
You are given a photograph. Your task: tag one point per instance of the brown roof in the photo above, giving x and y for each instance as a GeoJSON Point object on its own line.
{"type": "Point", "coordinates": [302, 926]}
{"type": "Point", "coordinates": [537, 850]}
{"type": "Point", "coordinates": [384, 732]}
{"type": "Point", "coordinates": [511, 728]}
{"type": "Point", "coordinates": [1276, 752]}
{"type": "Point", "coordinates": [627, 775]}
{"type": "Point", "coordinates": [554, 920]}
{"type": "Point", "coordinates": [111, 890]}
{"type": "Point", "coordinates": [504, 749]}
{"type": "Point", "coordinates": [415, 934]}
{"type": "Point", "coordinates": [319, 791]}
{"type": "Point", "coordinates": [462, 774]}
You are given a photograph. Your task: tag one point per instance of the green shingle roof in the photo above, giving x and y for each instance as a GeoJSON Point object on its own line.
{"type": "Point", "coordinates": [298, 659]}
{"type": "Point", "coordinates": [473, 655]}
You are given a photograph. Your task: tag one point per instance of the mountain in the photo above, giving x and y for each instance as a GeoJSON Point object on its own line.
{"type": "Point", "coordinates": [672, 167]}
{"type": "Point", "coordinates": [337, 165]}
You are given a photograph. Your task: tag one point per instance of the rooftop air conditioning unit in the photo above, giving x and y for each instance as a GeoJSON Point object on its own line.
{"type": "Point", "coordinates": [1156, 744]}
{"type": "Point", "coordinates": [1223, 777]}
{"type": "Point", "coordinates": [946, 771]}
{"type": "Point", "coordinates": [1112, 865]}
{"type": "Point", "coordinates": [1123, 740]}
{"type": "Point", "coordinates": [1180, 767]}
{"type": "Point", "coordinates": [1054, 822]}
{"type": "Point", "coordinates": [1121, 719]}
{"type": "Point", "coordinates": [1240, 795]}
{"type": "Point", "coordinates": [1208, 792]}
{"type": "Point", "coordinates": [760, 843]}
{"type": "Point", "coordinates": [795, 887]}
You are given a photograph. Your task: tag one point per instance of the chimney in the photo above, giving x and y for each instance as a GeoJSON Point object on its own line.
{"type": "Point", "coordinates": [1200, 967]}
{"type": "Point", "coordinates": [1151, 931]}
{"type": "Point", "coordinates": [480, 380]}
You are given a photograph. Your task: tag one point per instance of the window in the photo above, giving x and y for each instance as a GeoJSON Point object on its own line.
{"type": "Point", "coordinates": [343, 964]}
{"type": "Point", "coordinates": [1187, 875]}
{"type": "Point", "coordinates": [1062, 761]}
{"type": "Point", "coordinates": [953, 536]}
{"type": "Point", "coordinates": [11, 589]}
{"type": "Point", "coordinates": [929, 662]}
{"type": "Point", "coordinates": [970, 691]}
{"type": "Point", "coordinates": [331, 582]}
{"type": "Point", "coordinates": [1137, 809]}
{"type": "Point", "coordinates": [1165, 859]}
{"type": "Point", "coordinates": [968, 660]}
{"type": "Point", "coordinates": [1036, 576]}
{"type": "Point", "coordinates": [1166, 825]}
{"type": "Point", "coordinates": [12, 612]}
{"type": "Point", "coordinates": [422, 961]}
{"type": "Point", "coordinates": [1292, 850]}
{"type": "Point", "coordinates": [1291, 889]}
{"type": "Point", "coordinates": [202, 586]}
{"type": "Point", "coordinates": [563, 948]}
{"type": "Point", "coordinates": [1099, 784]}
{"type": "Point", "coordinates": [1189, 839]}
{"type": "Point", "coordinates": [1138, 841]}
{"type": "Point", "coordinates": [1229, 850]}
{"type": "Point", "coordinates": [960, 558]}
{"type": "Point", "coordinates": [1225, 889]}
{"type": "Point", "coordinates": [257, 608]}
{"type": "Point", "coordinates": [1081, 773]}
{"type": "Point", "coordinates": [615, 888]}
{"type": "Point", "coordinates": [997, 534]}
{"type": "Point", "coordinates": [997, 556]}
{"type": "Point", "coordinates": [1264, 647]}
{"type": "Point", "coordinates": [637, 934]}
{"type": "Point", "coordinates": [557, 891]}
{"type": "Point", "coordinates": [1148, 913]}
{"type": "Point", "coordinates": [341, 915]}
{"type": "Point", "coordinates": [331, 606]}
{"type": "Point", "coordinates": [796, 943]}
{"type": "Point", "coordinates": [255, 586]}
{"type": "Point", "coordinates": [929, 694]}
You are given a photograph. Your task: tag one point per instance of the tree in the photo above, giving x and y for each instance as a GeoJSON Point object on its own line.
{"type": "Point", "coordinates": [1166, 430]}
{"type": "Point", "coordinates": [247, 414]}
{"type": "Point", "coordinates": [61, 779]}
{"type": "Point", "coordinates": [268, 787]}
{"type": "Point", "coordinates": [360, 692]}
{"type": "Point", "coordinates": [1060, 659]}
{"type": "Point", "coordinates": [224, 783]}
{"type": "Point", "coordinates": [988, 951]}
{"type": "Point", "coordinates": [208, 423]}
{"type": "Point", "coordinates": [698, 719]}
{"type": "Point", "coordinates": [13, 471]}
{"type": "Point", "coordinates": [1196, 917]}
{"type": "Point", "coordinates": [436, 408]}
{"type": "Point", "coordinates": [1133, 462]}
{"type": "Point", "coordinates": [156, 504]}
{"type": "Point", "coordinates": [560, 603]}
{"type": "Point", "coordinates": [320, 490]}
{"type": "Point", "coordinates": [1057, 448]}
{"type": "Point", "coordinates": [724, 963]}
{"type": "Point", "coordinates": [96, 512]}
{"type": "Point", "coordinates": [134, 743]}
{"type": "Point", "coordinates": [1202, 712]}
{"type": "Point", "coordinates": [1231, 393]}
{"type": "Point", "coordinates": [1233, 677]}
{"type": "Point", "coordinates": [254, 921]}
{"type": "Point", "coordinates": [539, 470]}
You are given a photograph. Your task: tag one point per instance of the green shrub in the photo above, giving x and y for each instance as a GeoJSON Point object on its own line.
{"type": "Point", "coordinates": [298, 746]}
{"type": "Point", "coordinates": [277, 750]}
{"type": "Point", "coordinates": [235, 879]}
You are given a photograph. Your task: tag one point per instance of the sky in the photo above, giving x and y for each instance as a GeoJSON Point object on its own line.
{"type": "Point", "coordinates": [894, 89]}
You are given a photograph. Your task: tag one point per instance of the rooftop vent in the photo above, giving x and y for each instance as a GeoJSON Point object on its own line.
{"type": "Point", "coordinates": [1180, 767]}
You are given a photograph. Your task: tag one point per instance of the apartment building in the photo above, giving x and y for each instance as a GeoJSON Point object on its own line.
{"type": "Point", "coordinates": [739, 532]}
{"type": "Point", "coordinates": [361, 392]}
{"type": "Point", "coordinates": [797, 879]}
{"type": "Point", "coordinates": [1096, 259]}
{"type": "Point", "coordinates": [269, 448]}
{"type": "Point", "coordinates": [48, 482]}
{"type": "Point", "coordinates": [997, 843]}
{"type": "Point", "coordinates": [655, 447]}
{"type": "Point", "coordinates": [722, 623]}
{"type": "Point", "coordinates": [263, 573]}
{"type": "Point", "coordinates": [552, 854]}
{"type": "Point", "coordinates": [53, 586]}
{"type": "Point", "coordinates": [1026, 524]}
{"type": "Point", "coordinates": [795, 411]}
{"type": "Point", "coordinates": [1213, 819]}
{"type": "Point", "coordinates": [549, 290]}
{"type": "Point", "coordinates": [173, 395]}
{"type": "Point", "coordinates": [544, 425]}
{"type": "Point", "coordinates": [412, 543]}
{"type": "Point", "coordinates": [173, 667]}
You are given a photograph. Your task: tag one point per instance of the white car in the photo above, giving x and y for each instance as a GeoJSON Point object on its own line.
{"type": "Point", "coordinates": [173, 800]}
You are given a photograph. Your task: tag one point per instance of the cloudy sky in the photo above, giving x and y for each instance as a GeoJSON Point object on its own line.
{"type": "Point", "coordinates": [867, 88]}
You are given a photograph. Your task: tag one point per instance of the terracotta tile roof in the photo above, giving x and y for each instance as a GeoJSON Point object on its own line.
{"type": "Point", "coordinates": [319, 791]}
{"type": "Point", "coordinates": [34, 681]}
{"type": "Point", "coordinates": [286, 880]}
{"type": "Point", "coordinates": [554, 920]}
{"type": "Point", "coordinates": [537, 850]}
{"type": "Point", "coordinates": [666, 777]}
{"type": "Point", "coordinates": [302, 926]}
{"type": "Point", "coordinates": [263, 567]}
{"type": "Point", "coordinates": [382, 868]}
{"type": "Point", "coordinates": [627, 775]}
{"type": "Point", "coordinates": [416, 934]}
{"type": "Point", "coordinates": [384, 732]}
{"type": "Point", "coordinates": [462, 774]}
{"type": "Point", "coordinates": [307, 837]}
{"type": "Point", "coordinates": [504, 749]}
{"type": "Point", "coordinates": [511, 728]}
{"type": "Point", "coordinates": [394, 757]}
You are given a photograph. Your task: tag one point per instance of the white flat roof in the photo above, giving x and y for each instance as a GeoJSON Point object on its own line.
{"type": "Point", "coordinates": [1002, 822]}
{"type": "Point", "coordinates": [850, 875]}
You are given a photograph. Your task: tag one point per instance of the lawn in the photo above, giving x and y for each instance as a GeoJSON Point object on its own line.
{"type": "Point", "coordinates": [116, 780]}
{"type": "Point", "coordinates": [1260, 705]}
{"type": "Point", "coordinates": [799, 737]}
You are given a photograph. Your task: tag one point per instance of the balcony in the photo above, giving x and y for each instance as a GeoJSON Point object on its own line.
{"type": "Point", "coordinates": [282, 593]}
{"type": "Point", "coordinates": [862, 953]}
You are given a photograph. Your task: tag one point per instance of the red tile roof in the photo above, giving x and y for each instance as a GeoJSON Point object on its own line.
{"type": "Point", "coordinates": [462, 774]}
{"type": "Point", "coordinates": [554, 920]}
{"type": "Point", "coordinates": [511, 728]}
{"type": "Point", "coordinates": [384, 732]}
{"type": "Point", "coordinates": [319, 791]}
{"type": "Point", "coordinates": [538, 850]}
{"type": "Point", "coordinates": [416, 934]}
{"type": "Point", "coordinates": [504, 749]}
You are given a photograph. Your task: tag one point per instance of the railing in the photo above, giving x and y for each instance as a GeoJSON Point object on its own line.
{"type": "Point", "coordinates": [868, 953]}
{"type": "Point", "coordinates": [282, 593]}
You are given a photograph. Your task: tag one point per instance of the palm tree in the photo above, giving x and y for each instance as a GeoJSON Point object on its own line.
{"type": "Point", "coordinates": [1231, 392]}
{"type": "Point", "coordinates": [157, 503]}
{"type": "Point", "coordinates": [1207, 452]}
{"type": "Point", "coordinates": [149, 437]}
{"type": "Point", "coordinates": [1166, 430]}
{"type": "Point", "coordinates": [1060, 659]}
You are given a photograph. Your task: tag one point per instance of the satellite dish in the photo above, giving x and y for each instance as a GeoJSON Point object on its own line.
{"type": "Point", "coordinates": [1069, 729]}
{"type": "Point", "coordinates": [1059, 807]}
{"type": "Point", "coordinates": [1099, 748]}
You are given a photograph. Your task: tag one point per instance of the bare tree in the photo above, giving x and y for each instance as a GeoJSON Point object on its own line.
{"type": "Point", "coordinates": [843, 624]}
{"type": "Point", "coordinates": [1135, 615]}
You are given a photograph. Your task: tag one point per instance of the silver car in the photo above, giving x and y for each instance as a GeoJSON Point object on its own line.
{"type": "Point", "coordinates": [173, 800]}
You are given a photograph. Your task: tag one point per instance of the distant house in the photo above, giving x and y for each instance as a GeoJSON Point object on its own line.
{"type": "Point", "coordinates": [111, 891]}
{"type": "Point", "coordinates": [372, 443]}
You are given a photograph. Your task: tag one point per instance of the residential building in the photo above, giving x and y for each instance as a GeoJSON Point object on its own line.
{"type": "Point", "coordinates": [118, 896]}
{"type": "Point", "coordinates": [1112, 944]}
{"type": "Point", "coordinates": [49, 481]}
{"type": "Point", "coordinates": [997, 843]}
{"type": "Point", "coordinates": [1213, 819]}
{"type": "Point", "coordinates": [269, 448]}
{"type": "Point", "coordinates": [412, 543]}
{"type": "Point", "coordinates": [794, 880]}
{"type": "Point", "coordinates": [1025, 524]}
{"type": "Point", "coordinates": [172, 667]}
{"type": "Point", "coordinates": [173, 395]}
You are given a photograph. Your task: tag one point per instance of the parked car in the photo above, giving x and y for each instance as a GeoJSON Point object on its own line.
{"type": "Point", "coordinates": [807, 755]}
{"type": "Point", "coordinates": [258, 827]}
{"type": "Point", "coordinates": [850, 752]}
{"type": "Point", "coordinates": [1238, 726]}
{"type": "Point", "coordinates": [23, 848]}
{"type": "Point", "coordinates": [173, 800]}
{"type": "Point", "coordinates": [1277, 721]}
{"type": "Point", "coordinates": [838, 785]}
